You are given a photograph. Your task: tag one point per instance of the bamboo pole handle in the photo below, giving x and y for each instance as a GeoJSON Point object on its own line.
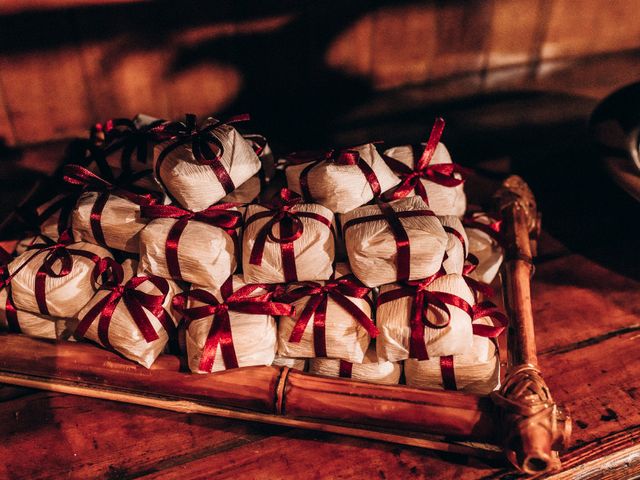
{"type": "Point", "coordinates": [534, 428]}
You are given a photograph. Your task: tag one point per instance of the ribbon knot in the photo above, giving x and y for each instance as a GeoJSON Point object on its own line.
{"type": "Point", "coordinates": [242, 300]}
{"type": "Point", "coordinates": [122, 133]}
{"type": "Point", "coordinates": [280, 212]}
{"type": "Point", "coordinates": [206, 147]}
{"type": "Point", "coordinates": [318, 295]}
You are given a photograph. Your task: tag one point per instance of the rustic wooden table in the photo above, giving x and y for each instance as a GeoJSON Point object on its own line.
{"type": "Point", "coordinates": [586, 296]}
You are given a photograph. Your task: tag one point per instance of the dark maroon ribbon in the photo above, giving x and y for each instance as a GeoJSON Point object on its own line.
{"type": "Point", "coordinates": [5, 283]}
{"type": "Point", "coordinates": [216, 215]}
{"type": "Point", "coordinates": [346, 369]}
{"type": "Point", "coordinates": [220, 332]}
{"type": "Point", "coordinates": [347, 156]}
{"type": "Point", "coordinates": [422, 299]}
{"type": "Point", "coordinates": [77, 175]}
{"type": "Point", "coordinates": [206, 147]}
{"type": "Point", "coordinates": [282, 211]}
{"type": "Point", "coordinates": [136, 303]}
{"type": "Point", "coordinates": [442, 174]}
{"type": "Point", "coordinates": [403, 257]}
{"type": "Point", "coordinates": [318, 295]}
{"type": "Point", "coordinates": [123, 134]}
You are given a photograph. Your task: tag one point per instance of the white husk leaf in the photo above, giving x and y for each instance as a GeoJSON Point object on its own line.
{"type": "Point", "coordinates": [442, 200]}
{"type": "Point", "coordinates": [456, 250]}
{"type": "Point", "coordinates": [120, 221]}
{"type": "Point", "coordinates": [477, 371]}
{"type": "Point", "coordinates": [395, 331]}
{"type": "Point", "coordinates": [370, 370]}
{"type": "Point", "coordinates": [344, 336]}
{"type": "Point", "coordinates": [342, 188]}
{"type": "Point", "coordinates": [489, 253]}
{"type": "Point", "coordinates": [66, 295]}
{"type": "Point", "coordinates": [371, 246]}
{"type": "Point", "coordinates": [254, 336]}
{"type": "Point", "coordinates": [124, 335]}
{"type": "Point", "coordinates": [206, 254]}
{"type": "Point", "coordinates": [314, 250]}
{"type": "Point", "coordinates": [25, 243]}
{"type": "Point", "coordinates": [293, 363]}
{"type": "Point", "coordinates": [195, 186]}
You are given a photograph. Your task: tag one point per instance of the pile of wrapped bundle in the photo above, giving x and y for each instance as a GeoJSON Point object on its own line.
{"type": "Point", "coordinates": [363, 266]}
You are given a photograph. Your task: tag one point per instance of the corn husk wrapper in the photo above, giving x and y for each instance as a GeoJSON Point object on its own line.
{"type": "Point", "coordinates": [393, 320]}
{"type": "Point", "coordinates": [262, 148]}
{"type": "Point", "coordinates": [65, 296]}
{"type": "Point", "coordinates": [245, 193]}
{"type": "Point", "coordinates": [206, 254]}
{"type": "Point", "coordinates": [372, 250]}
{"type": "Point", "coordinates": [124, 335]}
{"type": "Point", "coordinates": [489, 253]}
{"type": "Point", "coordinates": [457, 243]}
{"type": "Point", "coordinates": [345, 337]}
{"type": "Point", "coordinates": [442, 200]}
{"type": "Point", "coordinates": [121, 222]}
{"type": "Point", "coordinates": [254, 335]}
{"type": "Point", "coordinates": [314, 250]}
{"type": "Point", "coordinates": [342, 188]}
{"type": "Point", "coordinates": [477, 371]}
{"type": "Point", "coordinates": [195, 186]}
{"type": "Point", "coordinates": [370, 370]}
{"type": "Point", "coordinates": [293, 363]}
{"type": "Point", "coordinates": [27, 242]}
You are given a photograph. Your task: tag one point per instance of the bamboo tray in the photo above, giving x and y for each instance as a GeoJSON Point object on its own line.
{"type": "Point", "coordinates": [521, 421]}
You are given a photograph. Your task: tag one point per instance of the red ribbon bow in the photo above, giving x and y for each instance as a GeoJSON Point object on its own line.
{"type": "Point", "coordinates": [403, 258]}
{"type": "Point", "coordinates": [492, 229]}
{"type": "Point", "coordinates": [422, 299]}
{"type": "Point", "coordinates": [135, 301]}
{"type": "Point", "coordinates": [206, 147]}
{"type": "Point", "coordinates": [281, 211]}
{"type": "Point", "coordinates": [337, 290]}
{"type": "Point", "coordinates": [347, 156]}
{"type": "Point", "coordinates": [442, 174]}
{"type": "Point", "coordinates": [122, 133]}
{"type": "Point", "coordinates": [216, 215]}
{"type": "Point", "coordinates": [240, 301]}
{"type": "Point", "coordinates": [77, 175]}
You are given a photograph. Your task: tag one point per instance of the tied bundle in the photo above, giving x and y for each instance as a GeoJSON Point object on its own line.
{"type": "Point", "coordinates": [485, 244]}
{"type": "Point", "coordinates": [197, 167]}
{"type": "Point", "coordinates": [48, 275]}
{"type": "Point", "coordinates": [334, 320]}
{"type": "Point", "coordinates": [286, 240]}
{"type": "Point", "coordinates": [105, 213]}
{"type": "Point", "coordinates": [371, 369]}
{"type": "Point", "coordinates": [231, 327]}
{"type": "Point", "coordinates": [129, 314]}
{"type": "Point", "coordinates": [341, 180]}
{"type": "Point", "coordinates": [456, 252]}
{"type": "Point", "coordinates": [427, 318]}
{"type": "Point", "coordinates": [429, 173]}
{"type": "Point", "coordinates": [263, 150]}
{"type": "Point", "coordinates": [476, 371]}
{"type": "Point", "coordinates": [196, 247]}
{"type": "Point", "coordinates": [396, 241]}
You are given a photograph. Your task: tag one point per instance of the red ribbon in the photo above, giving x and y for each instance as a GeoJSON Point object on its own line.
{"type": "Point", "coordinates": [220, 332]}
{"type": "Point", "coordinates": [338, 157]}
{"type": "Point", "coordinates": [318, 296]}
{"type": "Point", "coordinates": [493, 229]}
{"type": "Point", "coordinates": [206, 147]}
{"type": "Point", "coordinates": [77, 175]}
{"type": "Point", "coordinates": [216, 215]}
{"type": "Point", "coordinates": [135, 301]}
{"type": "Point", "coordinates": [422, 299]}
{"type": "Point", "coordinates": [123, 134]}
{"type": "Point", "coordinates": [281, 211]}
{"type": "Point", "coordinates": [442, 174]}
{"type": "Point", "coordinates": [403, 258]}
{"type": "Point", "coordinates": [5, 283]}
{"type": "Point", "coordinates": [346, 369]}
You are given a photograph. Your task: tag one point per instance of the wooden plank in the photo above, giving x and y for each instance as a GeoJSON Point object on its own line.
{"type": "Point", "coordinates": [63, 435]}
{"type": "Point", "coordinates": [576, 300]}
{"type": "Point", "coordinates": [42, 78]}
